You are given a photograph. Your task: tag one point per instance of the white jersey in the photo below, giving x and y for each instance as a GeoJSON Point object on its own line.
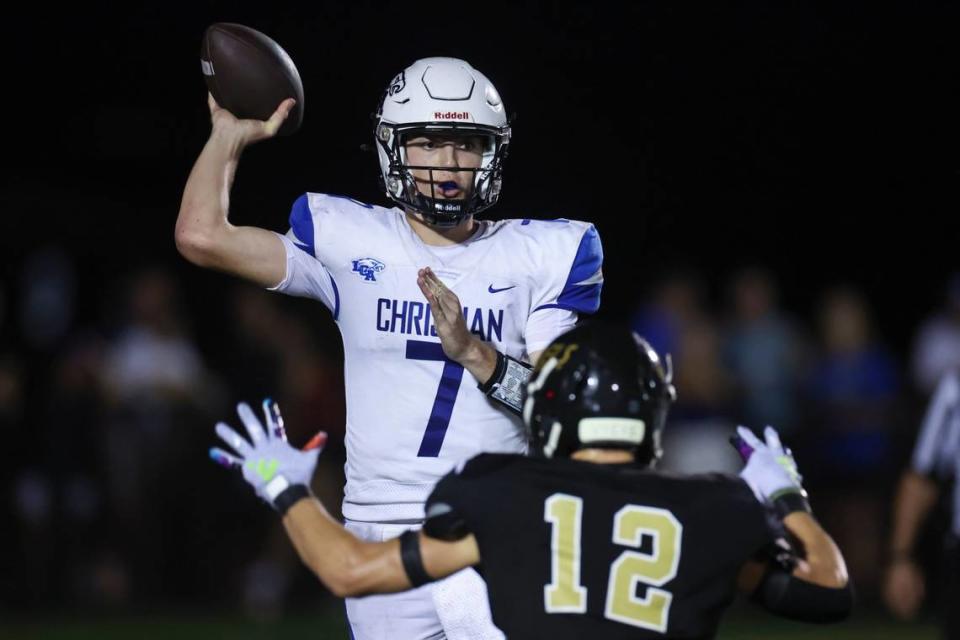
{"type": "Point", "coordinates": [411, 412]}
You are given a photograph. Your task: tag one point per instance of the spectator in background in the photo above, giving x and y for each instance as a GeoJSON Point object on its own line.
{"type": "Point", "coordinates": [937, 347]}
{"type": "Point", "coordinates": [935, 464]}
{"type": "Point", "coordinates": [678, 325]}
{"type": "Point", "coordinates": [72, 425]}
{"type": "Point", "coordinates": [676, 302]}
{"type": "Point", "coordinates": [47, 298]}
{"type": "Point", "coordinates": [54, 505]}
{"type": "Point", "coordinates": [152, 358]}
{"type": "Point", "coordinates": [763, 353]}
{"type": "Point", "coordinates": [157, 391]}
{"type": "Point", "coordinates": [852, 393]}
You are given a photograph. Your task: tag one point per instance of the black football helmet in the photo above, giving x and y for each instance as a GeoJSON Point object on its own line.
{"type": "Point", "coordinates": [599, 386]}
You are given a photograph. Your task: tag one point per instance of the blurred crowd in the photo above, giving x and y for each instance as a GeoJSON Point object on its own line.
{"type": "Point", "coordinates": [846, 402]}
{"type": "Point", "coordinates": [107, 412]}
{"type": "Point", "coordinates": [107, 416]}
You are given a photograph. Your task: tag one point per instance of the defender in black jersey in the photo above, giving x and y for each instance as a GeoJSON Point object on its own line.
{"type": "Point", "coordinates": [585, 539]}
{"type": "Point", "coordinates": [571, 548]}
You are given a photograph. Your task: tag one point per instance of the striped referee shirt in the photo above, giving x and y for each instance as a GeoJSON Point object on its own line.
{"type": "Point", "coordinates": [937, 453]}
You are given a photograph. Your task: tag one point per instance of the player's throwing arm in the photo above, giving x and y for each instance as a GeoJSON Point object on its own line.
{"type": "Point", "coordinates": [204, 235]}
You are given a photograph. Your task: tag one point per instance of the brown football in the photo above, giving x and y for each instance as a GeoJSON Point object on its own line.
{"type": "Point", "coordinates": [249, 74]}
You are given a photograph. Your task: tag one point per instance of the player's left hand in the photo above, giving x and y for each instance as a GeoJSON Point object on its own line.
{"type": "Point", "coordinates": [267, 456]}
{"type": "Point", "coordinates": [447, 315]}
{"type": "Point", "coordinates": [771, 472]}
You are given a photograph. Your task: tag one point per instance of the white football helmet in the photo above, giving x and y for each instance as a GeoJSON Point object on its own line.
{"type": "Point", "coordinates": [441, 95]}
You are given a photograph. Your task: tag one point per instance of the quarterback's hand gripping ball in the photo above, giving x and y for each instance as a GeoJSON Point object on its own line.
{"type": "Point", "coordinates": [269, 463]}
{"type": "Point", "coordinates": [250, 75]}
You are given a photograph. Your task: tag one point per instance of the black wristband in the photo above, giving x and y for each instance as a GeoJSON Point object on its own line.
{"type": "Point", "coordinates": [290, 496]}
{"type": "Point", "coordinates": [410, 556]}
{"type": "Point", "coordinates": [791, 502]}
{"type": "Point", "coordinates": [496, 376]}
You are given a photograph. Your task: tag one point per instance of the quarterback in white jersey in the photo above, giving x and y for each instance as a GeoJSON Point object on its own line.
{"type": "Point", "coordinates": [411, 411]}
{"type": "Point", "coordinates": [437, 310]}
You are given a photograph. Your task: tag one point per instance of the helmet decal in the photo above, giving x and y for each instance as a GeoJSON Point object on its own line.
{"type": "Point", "coordinates": [552, 440]}
{"type": "Point", "coordinates": [398, 84]}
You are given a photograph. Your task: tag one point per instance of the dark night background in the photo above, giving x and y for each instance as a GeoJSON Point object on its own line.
{"type": "Point", "coordinates": [816, 139]}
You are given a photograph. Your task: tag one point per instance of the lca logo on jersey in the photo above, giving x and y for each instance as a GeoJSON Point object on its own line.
{"type": "Point", "coordinates": [368, 268]}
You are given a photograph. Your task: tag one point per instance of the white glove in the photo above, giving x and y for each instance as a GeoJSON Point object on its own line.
{"type": "Point", "coordinates": [771, 471]}
{"type": "Point", "coordinates": [270, 465]}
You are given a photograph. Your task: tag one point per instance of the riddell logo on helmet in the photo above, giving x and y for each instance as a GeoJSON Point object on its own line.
{"type": "Point", "coordinates": [451, 115]}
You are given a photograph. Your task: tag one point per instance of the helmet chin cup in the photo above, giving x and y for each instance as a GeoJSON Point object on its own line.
{"type": "Point", "coordinates": [441, 213]}
{"type": "Point", "coordinates": [444, 218]}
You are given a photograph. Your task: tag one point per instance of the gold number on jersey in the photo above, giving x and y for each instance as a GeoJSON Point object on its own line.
{"type": "Point", "coordinates": [655, 569]}
{"type": "Point", "coordinates": [564, 594]}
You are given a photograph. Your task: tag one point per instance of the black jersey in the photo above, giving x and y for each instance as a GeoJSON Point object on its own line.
{"type": "Point", "coordinates": [578, 550]}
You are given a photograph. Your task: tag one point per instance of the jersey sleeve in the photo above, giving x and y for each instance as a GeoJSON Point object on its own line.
{"type": "Point", "coordinates": [544, 326]}
{"type": "Point", "coordinates": [572, 277]}
{"type": "Point", "coordinates": [306, 274]}
{"type": "Point", "coordinates": [445, 518]}
{"type": "Point", "coordinates": [938, 444]}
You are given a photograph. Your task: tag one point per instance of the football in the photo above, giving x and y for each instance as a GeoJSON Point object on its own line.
{"type": "Point", "coordinates": [249, 74]}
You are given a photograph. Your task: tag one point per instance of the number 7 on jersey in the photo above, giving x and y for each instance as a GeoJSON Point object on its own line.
{"type": "Point", "coordinates": [450, 380]}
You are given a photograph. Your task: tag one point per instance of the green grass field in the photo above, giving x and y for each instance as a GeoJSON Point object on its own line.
{"type": "Point", "coordinates": [739, 625]}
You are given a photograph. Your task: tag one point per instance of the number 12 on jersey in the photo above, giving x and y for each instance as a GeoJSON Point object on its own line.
{"type": "Point", "coordinates": [565, 594]}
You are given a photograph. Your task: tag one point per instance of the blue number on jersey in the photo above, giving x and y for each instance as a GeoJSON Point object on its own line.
{"type": "Point", "coordinates": [446, 394]}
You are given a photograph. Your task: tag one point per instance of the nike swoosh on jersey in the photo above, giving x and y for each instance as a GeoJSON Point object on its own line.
{"type": "Point", "coordinates": [492, 290]}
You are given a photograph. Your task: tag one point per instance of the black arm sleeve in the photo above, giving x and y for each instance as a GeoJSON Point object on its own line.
{"type": "Point", "coordinates": [785, 595]}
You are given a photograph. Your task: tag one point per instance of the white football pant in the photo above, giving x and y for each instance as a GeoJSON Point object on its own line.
{"type": "Point", "coordinates": [455, 608]}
